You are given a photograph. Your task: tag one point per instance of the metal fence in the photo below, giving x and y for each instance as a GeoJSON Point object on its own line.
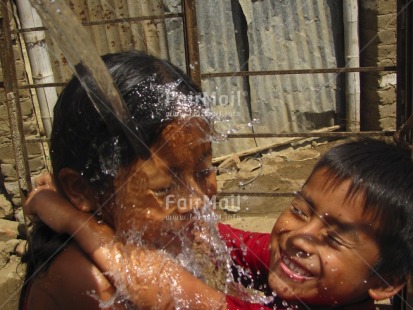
{"type": "Point", "coordinates": [187, 14]}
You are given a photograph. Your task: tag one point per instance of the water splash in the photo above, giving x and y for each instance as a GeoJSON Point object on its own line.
{"type": "Point", "coordinates": [82, 56]}
{"type": "Point", "coordinates": [165, 102]}
{"type": "Point", "coordinates": [202, 253]}
{"type": "Point", "coordinates": [206, 256]}
{"type": "Point", "coordinates": [224, 126]}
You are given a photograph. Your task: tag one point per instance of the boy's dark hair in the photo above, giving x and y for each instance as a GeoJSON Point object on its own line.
{"type": "Point", "coordinates": [155, 92]}
{"type": "Point", "coordinates": [383, 173]}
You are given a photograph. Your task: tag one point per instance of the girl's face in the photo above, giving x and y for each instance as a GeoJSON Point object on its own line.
{"type": "Point", "coordinates": [156, 198]}
{"type": "Point", "coordinates": [323, 247]}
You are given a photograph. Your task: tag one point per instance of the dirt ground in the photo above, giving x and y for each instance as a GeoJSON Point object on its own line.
{"type": "Point", "coordinates": [282, 170]}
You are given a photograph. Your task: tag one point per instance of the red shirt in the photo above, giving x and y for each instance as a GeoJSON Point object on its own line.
{"type": "Point", "coordinates": [251, 256]}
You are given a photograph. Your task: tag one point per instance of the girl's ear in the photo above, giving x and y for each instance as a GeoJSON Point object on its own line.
{"type": "Point", "coordinates": [384, 292]}
{"type": "Point", "coordinates": [77, 189]}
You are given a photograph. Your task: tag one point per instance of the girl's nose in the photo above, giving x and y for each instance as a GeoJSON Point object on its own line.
{"type": "Point", "coordinates": [193, 196]}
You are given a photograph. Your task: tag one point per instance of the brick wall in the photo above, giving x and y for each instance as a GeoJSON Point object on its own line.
{"type": "Point", "coordinates": [378, 24]}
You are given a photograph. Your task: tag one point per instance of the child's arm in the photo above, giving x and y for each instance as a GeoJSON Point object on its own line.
{"type": "Point", "coordinates": [148, 277]}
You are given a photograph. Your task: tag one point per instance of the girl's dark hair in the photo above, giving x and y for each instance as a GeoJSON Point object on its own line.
{"type": "Point", "coordinates": [383, 174]}
{"type": "Point", "coordinates": [96, 145]}
{"type": "Point", "coordinates": [81, 138]}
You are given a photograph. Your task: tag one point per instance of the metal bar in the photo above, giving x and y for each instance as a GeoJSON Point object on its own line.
{"type": "Point", "coordinates": [38, 140]}
{"type": "Point", "coordinates": [246, 73]}
{"type": "Point", "coordinates": [312, 134]}
{"type": "Point", "coordinates": [251, 73]}
{"type": "Point", "coordinates": [13, 104]}
{"type": "Point", "coordinates": [404, 108]}
{"type": "Point", "coordinates": [44, 85]}
{"type": "Point", "coordinates": [109, 21]}
{"type": "Point", "coordinates": [297, 71]}
{"type": "Point", "coordinates": [280, 135]}
{"type": "Point", "coordinates": [409, 64]}
{"type": "Point", "coordinates": [193, 66]}
{"type": "Point", "coordinates": [256, 194]}
{"type": "Point", "coordinates": [401, 112]}
{"type": "Point", "coordinates": [132, 19]}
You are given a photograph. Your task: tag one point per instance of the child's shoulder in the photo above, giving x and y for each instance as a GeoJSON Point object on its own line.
{"type": "Point", "coordinates": [228, 229]}
{"type": "Point", "coordinates": [80, 276]}
{"type": "Point", "coordinates": [235, 237]}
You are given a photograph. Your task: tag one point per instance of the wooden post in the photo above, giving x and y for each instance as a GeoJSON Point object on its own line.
{"type": "Point", "coordinates": [193, 66]}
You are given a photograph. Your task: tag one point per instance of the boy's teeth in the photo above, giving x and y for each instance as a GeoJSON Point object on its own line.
{"type": "Point", "coordinates": [293, 267]}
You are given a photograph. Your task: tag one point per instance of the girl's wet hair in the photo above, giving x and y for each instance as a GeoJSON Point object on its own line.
{"type": "Point", "coordinates": [383, 174]}
{"type": "Point", "coordinates": [154, 91]}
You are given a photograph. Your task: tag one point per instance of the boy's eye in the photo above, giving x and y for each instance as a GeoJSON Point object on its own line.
{"type": "Point", "coordinates": [298, 212]}
{"type": "Point", "coordinates": [334, 241]}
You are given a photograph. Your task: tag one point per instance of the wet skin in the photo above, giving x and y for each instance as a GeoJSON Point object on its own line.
{"type": "Point", "coordinates": [175, 180]}
{"type": "Point", "coordinates": [323, 247]}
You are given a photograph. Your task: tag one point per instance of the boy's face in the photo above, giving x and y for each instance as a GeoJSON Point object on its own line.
{"type": "Point", "coordinates": [323, 247]}
{"type": "Point", "coordinates": [156, 197]}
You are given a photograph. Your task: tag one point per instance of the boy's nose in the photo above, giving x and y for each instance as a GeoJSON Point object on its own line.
{"type": "Point", "coordinates": [306, 239]}
{"type": "Point", "coordinates": [301, 246]}
{"type": "Point", "coordinates": [302, 254]}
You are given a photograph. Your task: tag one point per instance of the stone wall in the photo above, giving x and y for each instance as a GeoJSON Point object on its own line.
{"type": "Point", "coordinates": [378, 25]}
{"type": "Point", "coordinates": [12, 222]}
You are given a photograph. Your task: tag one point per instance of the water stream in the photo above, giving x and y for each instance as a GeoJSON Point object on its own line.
{"type": "Point", "coordinates": [88, 66]}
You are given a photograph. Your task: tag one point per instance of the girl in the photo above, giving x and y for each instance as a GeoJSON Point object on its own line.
{"type": "Point", "coordinates": [125, 183]}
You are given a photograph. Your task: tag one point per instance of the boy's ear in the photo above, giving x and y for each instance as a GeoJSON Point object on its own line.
{"type": "Point", "coordinates": [386, 291]}
{"type": "Point", "coordinates": [76, 189]}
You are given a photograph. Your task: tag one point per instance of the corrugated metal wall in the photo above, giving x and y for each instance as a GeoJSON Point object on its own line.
{"type": "Point", "coordinates": [279, 35]}
{"type": "Point", "coordinates": [236, 35]}
{"type": "Point", "coordinates": [219, 52]}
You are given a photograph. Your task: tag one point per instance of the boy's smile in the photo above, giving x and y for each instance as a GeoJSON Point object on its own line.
{"type": "Point", "coordinates": [323, 247]}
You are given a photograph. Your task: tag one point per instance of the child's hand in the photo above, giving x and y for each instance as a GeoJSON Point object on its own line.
{"type": "Point", "coordinates": [44, 179]}
{"type": "Point", "coordinates": [37, 196]}
{"type": "Point", "coordinates": [44, 203]}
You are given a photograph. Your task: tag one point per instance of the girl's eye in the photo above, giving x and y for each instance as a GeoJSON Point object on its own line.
{"type": "Point", "coordinates": [298, 212]}
{"type": "Point", "coordinates": [205, 173]}
{"type": "Point", "coordinates": [162, 191]}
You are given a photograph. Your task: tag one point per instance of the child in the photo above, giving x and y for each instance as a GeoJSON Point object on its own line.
{"type": "Point", "coordinates": [347, 237]}
{"type": "Point", "coordinates": [345, 240]}
{"type": "Point", "coordinates": [98, 170]}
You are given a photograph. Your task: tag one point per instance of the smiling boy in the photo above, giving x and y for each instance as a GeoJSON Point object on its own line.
{"type": "Point", "coordinates": [324, 248]}
{"type": "Point", "coordinates": [346, 238]}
